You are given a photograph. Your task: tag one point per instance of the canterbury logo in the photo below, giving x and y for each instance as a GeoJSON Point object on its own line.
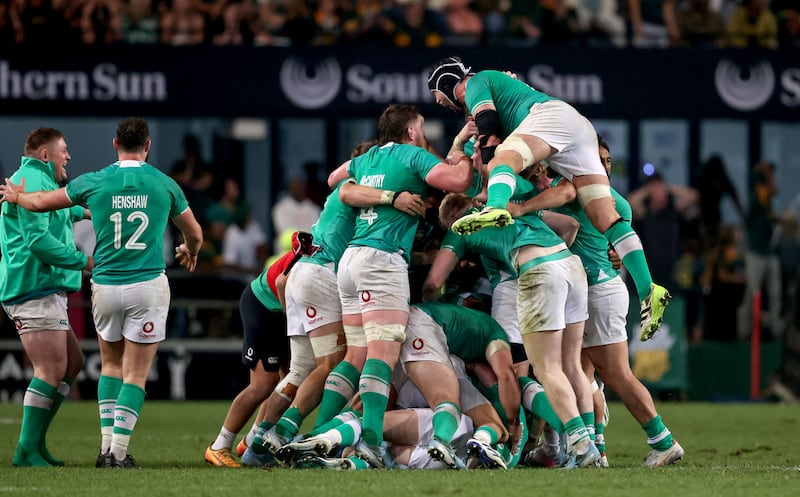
{"type": "Point", "coordinates": [310, 88]}
{"type": "Point", "coordinates": [744, 88]}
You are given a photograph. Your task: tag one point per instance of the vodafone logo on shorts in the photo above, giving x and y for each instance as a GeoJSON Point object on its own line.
{"type": "Point", "coordinates": [311, 314]}
{"type": "Point", "coordinates": [418, 344]}
{"type": "Point", "coordinates": [18, 324]}
{"type": "Point", "coordinates": [366, 296]}
{"type": "Point", "coordinates": [147, 329]}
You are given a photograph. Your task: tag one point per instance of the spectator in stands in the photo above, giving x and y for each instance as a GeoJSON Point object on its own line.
{"type": "Point", "coordinates": [559, 24]}
{"type": "Point", "coordinates": [653, 23]}
{"type": "Point", "coordinates": [182, 24]}
{"type": "Point", "coordinates": [299, 26]}
{"type": "Point", "coordinates": [700, 25]}
{"type": "Point", "coordinates": [761, 259]}
{"type": "Point", "coordinates": [267, 27]}
{"type": "Point", "coordinates": [294, 211]}
{"type": "Point", "coordinates": [139, 23]}
{"type": "Point", "coordinates": [713, 185]}
{"type": "Point", "coordinates": [493, 16]}
{"type": "Point", "coordinates": [100, 24]}
{"type": "Point", "coordinates": [524, 19]}
{"type": "Point", "coordinates": [464, 23]}
{"type": "Point", "coordinates": [600, 21]}
{"type": "Point", "coordinates": [244, 246]}
{"type": "Point", "coordinates": [415, 25]}
{"type": "Point", "coordinates": [44, 23]}
{"type": "Point", "coordinates": [752, 24]}
{"type": "Point", "coordinates": [659, 209]}
{"type": "Point", "coordinates": [230, 28]}
{"type": "Point", "coordinates": [11, 32]}
{"type": "Point", "coordinates": [317, 188]}
{"type": "Point", "coordinates": [788, 23]}
{"type": "Point", "coordinates": [370, 25]}
{"type": "Point", "coordinates": [222, 214]}
{"type": "Point", "coordinates": [723, 285]}
{"type": "Point", "coordinates": [328, 18]}
{"type": "Point", "coordinates": [194, 176]}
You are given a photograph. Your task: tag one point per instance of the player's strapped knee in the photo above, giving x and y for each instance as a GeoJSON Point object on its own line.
{"type": "Point", "coordinates": [494, 346]}
{"type": "Point", "coordinates": [355, 336]}
{"type": "Point", "coordinates": [300, 366]}
{"type": "Point", "coordinates": [376, 332]}
{"type": "Point", "coordinates": [593, 192]}
{"type": "Point", "coordinates": [303, 360]}
{"type": "Point", "coordinates": [327, 345]}
{"type": "Point", "coordinates": [516, 144]}
{"type": "Point", "coordinates": [595, 386]}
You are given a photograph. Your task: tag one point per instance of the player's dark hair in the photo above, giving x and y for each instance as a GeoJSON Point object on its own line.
{"type": "Point", "coordinates": [602, 143]}
{"type": "Point", "coordinates": [39, 137]}
{"type": "Point", "coordinates": [362, 148]}
{"type": "Point", "coordinates": [132, 134]}
{"type": "Point", "coordinates": [393, 123]}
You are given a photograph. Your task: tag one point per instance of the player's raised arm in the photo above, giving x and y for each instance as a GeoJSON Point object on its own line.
{"type": "Point", "coordinates": [39, 201]}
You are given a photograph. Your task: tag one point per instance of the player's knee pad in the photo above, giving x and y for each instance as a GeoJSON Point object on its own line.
{"type": "Point", "coordinates": [595, 386]}
{"type": "Point", "coordinates": [593, 192]}
{"type": "Point", "coordinates": [516, 144]}
{"type": "Point", "coordinates": [355, 336]}
{"type": "Point", "coordinates": [328, 345]}
{"type": "Point", "coordinates": [376, 332]}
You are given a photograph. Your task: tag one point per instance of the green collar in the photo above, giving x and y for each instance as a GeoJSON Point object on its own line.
{"type": "Point", "coordinates": [46, 167]}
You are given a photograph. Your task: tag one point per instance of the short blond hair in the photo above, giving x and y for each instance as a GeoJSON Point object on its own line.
{"type": "Point", "coordinates": [453, 203]}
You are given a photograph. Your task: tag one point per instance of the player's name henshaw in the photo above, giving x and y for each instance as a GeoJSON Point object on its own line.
{"type": "Point", "coordinates": [129, 202]}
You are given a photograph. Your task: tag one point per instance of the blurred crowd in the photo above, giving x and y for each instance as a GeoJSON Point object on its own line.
{"type": "Point", "coordinates": [719, 267]}
{"type": "Point", "coordinates": [403, 23]}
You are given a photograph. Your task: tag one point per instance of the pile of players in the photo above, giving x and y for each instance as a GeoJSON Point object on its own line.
{"type": "Point", "coordinates": [435, 384]}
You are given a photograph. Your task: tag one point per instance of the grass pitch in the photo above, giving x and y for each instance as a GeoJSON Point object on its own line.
{"type": "Point", "coordinates": [732, 450]}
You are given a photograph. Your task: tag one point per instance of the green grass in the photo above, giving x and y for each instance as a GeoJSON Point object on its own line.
{"type": "Point", "coordinates": [747, 450]}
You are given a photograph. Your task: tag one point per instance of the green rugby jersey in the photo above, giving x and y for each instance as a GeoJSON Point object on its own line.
{"type": "Point", "coordinates": [264, 293]}
{"type": "Point", "coordinates": [333, 231]}
{"type": "Point", "coordinates": [131, 203]}
{"type": "Point", "coordinates": [469, 332]}
{"type": "Point", "coordinates": [511, 97]}
{"type": "Point", "coordinates": [396, 167]}
{"type": "Point", "coordinates": [39, 257]}
{"type": "Point", "coordinates": [494, 247]}
{"type": "Point", "coordinates": [531, 230]}
{"type": "Point", "coordinates": [591, 245]}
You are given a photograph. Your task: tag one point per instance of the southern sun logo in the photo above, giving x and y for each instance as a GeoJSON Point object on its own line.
{"type": "Point", "coordinates": [744, 87]}
{"type": "Point", "coordinates": [310, 87]}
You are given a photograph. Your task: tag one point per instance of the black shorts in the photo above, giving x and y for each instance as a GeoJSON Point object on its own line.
{"type": "Point", "coordinates": [265, 337]}
{"type": "Point", "coordinates": [518, 353]}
